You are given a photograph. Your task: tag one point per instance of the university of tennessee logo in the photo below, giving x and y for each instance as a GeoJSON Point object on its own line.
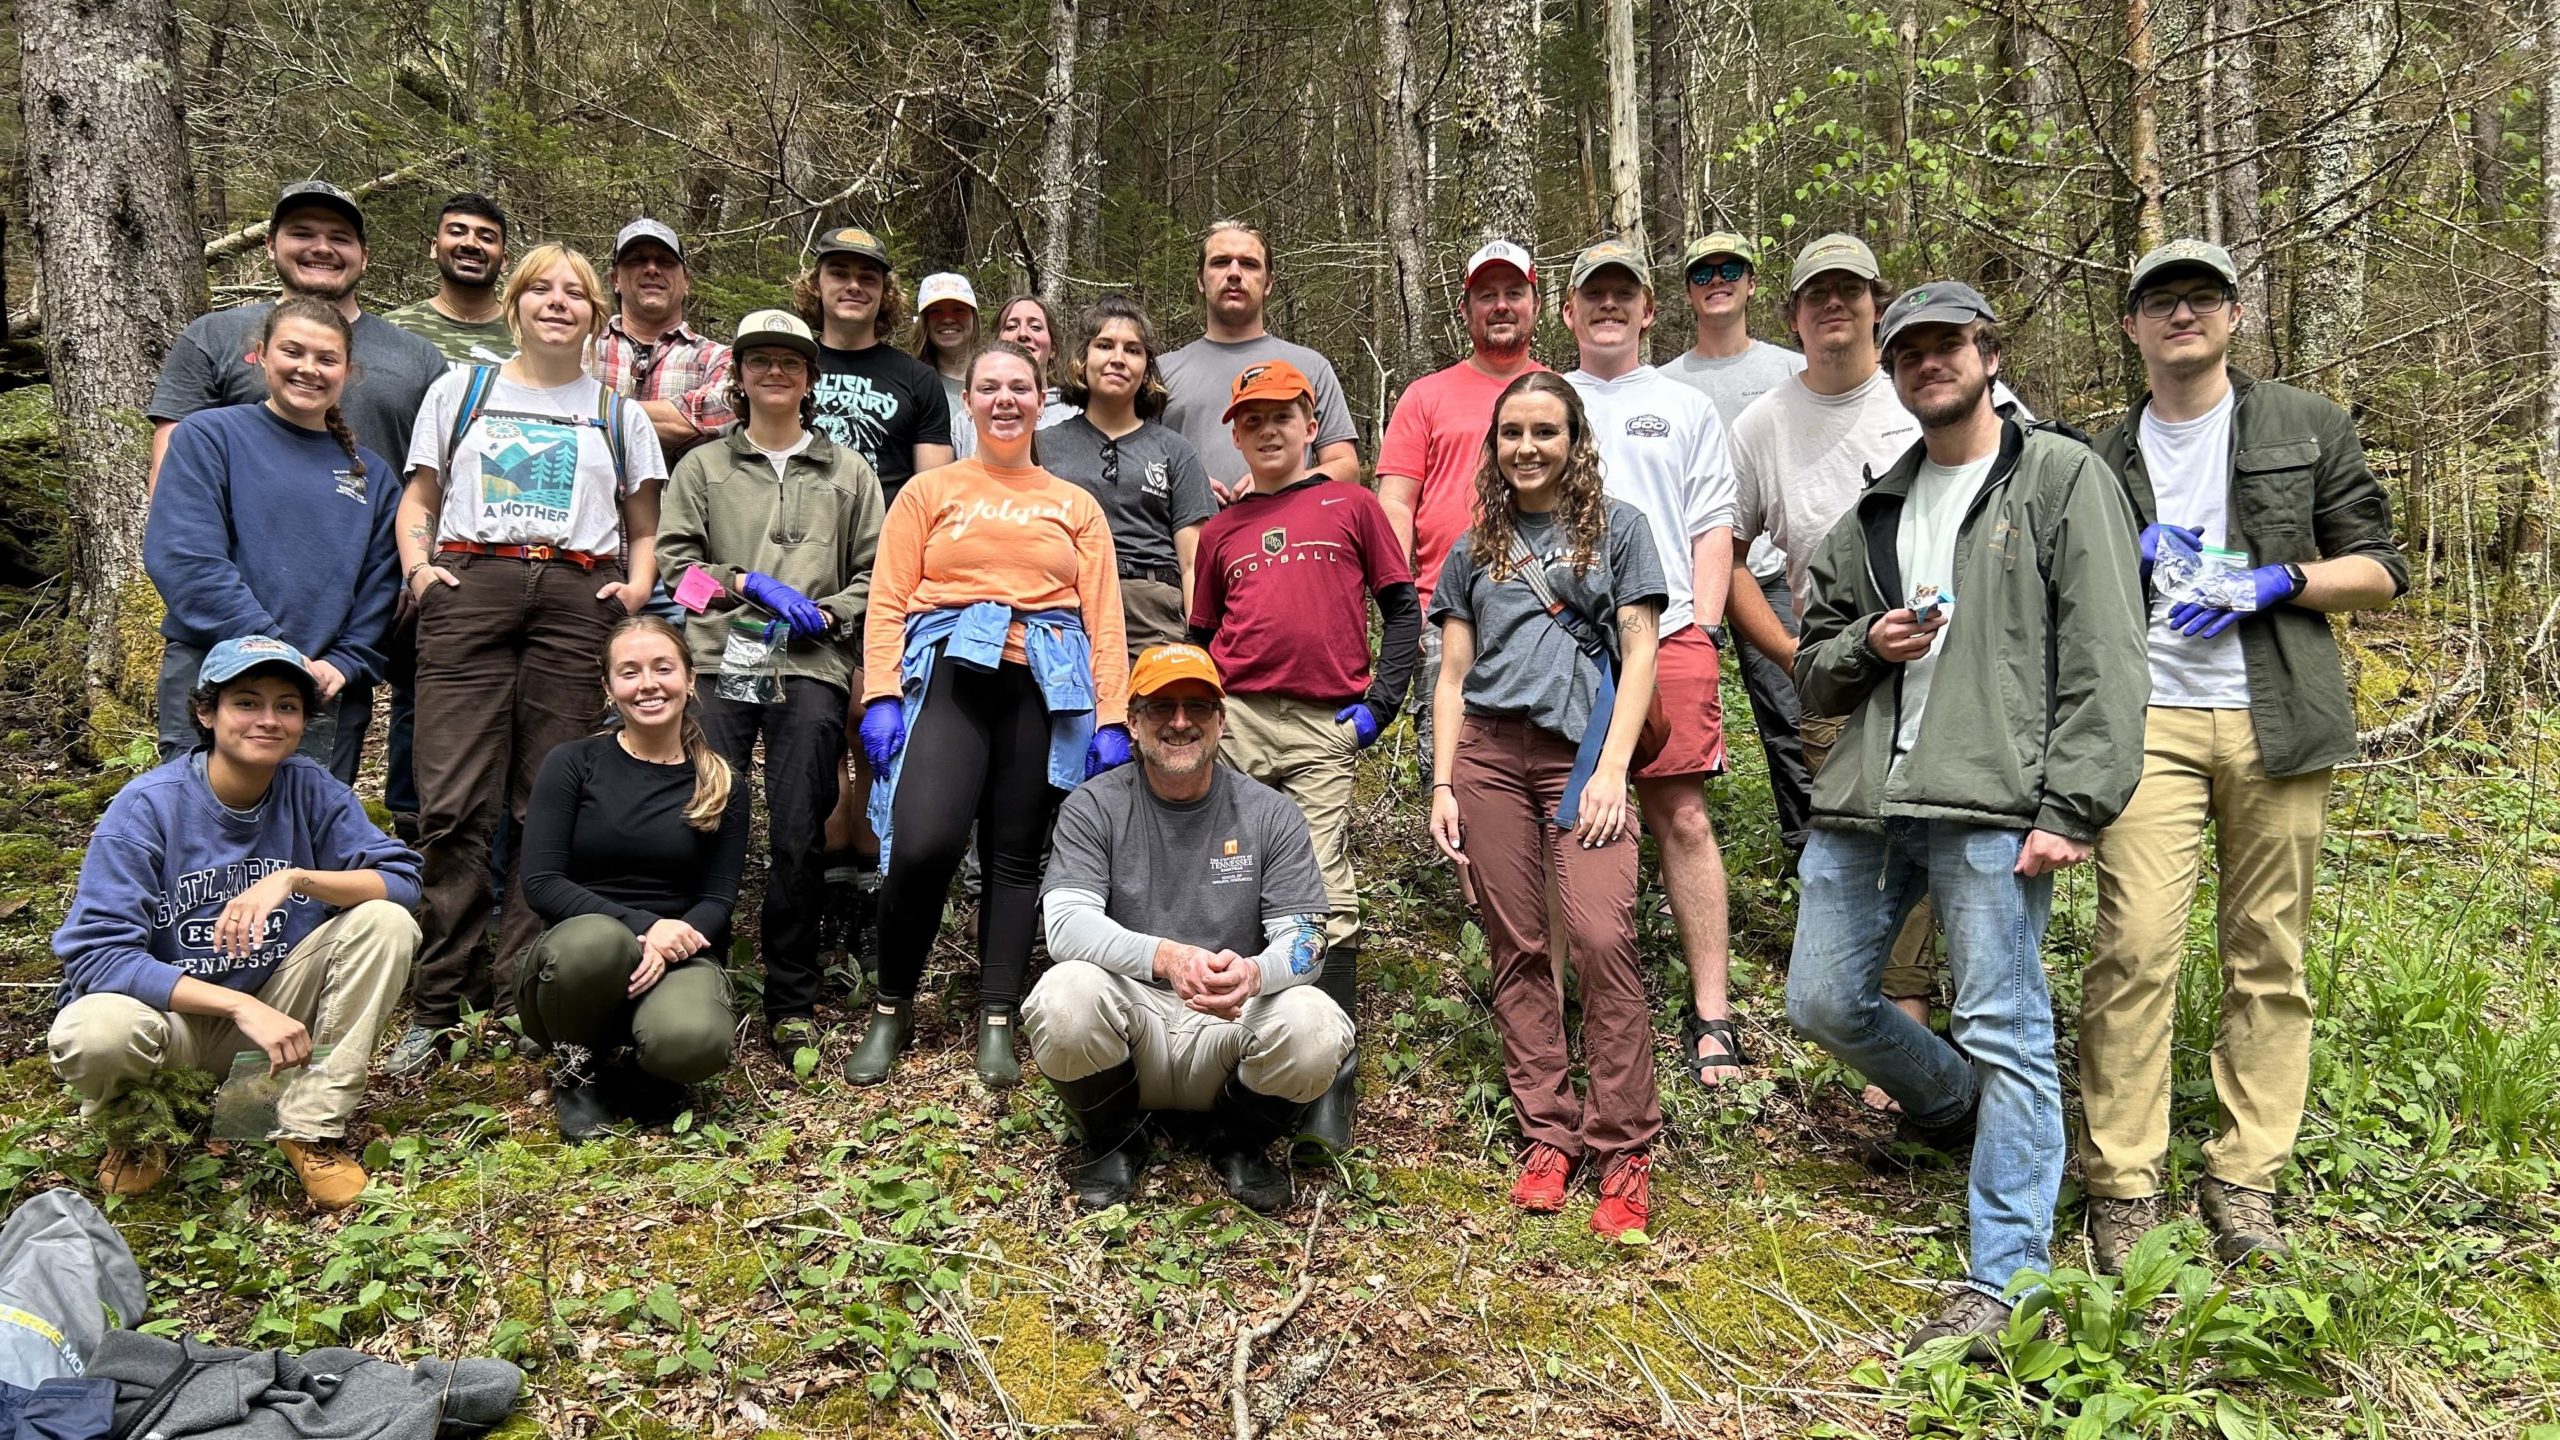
{"type": "Point", "coordinates": [1274, 540]}
{"type": "Point", "coordinates": [1230, 848]}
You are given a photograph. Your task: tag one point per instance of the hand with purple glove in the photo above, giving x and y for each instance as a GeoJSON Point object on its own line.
{"type": "Point", "coordinates": [1363, 722]}
{"type": "Point", "coordinates": [2151, 535]}
{"type": "Point", "coordinates": [884, 732]}
{"type": "Point", "coordinates": [1109, 750]}
{"type": "Point", "coordinates": [801, 612]}
{"type": "Point", "coordinates": [2274, 584]}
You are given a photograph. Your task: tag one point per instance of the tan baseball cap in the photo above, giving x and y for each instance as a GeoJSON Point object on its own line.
{"type": "Point", "coordinates": [1835, 251]}
{"type": "Point", "coordinates": [774, 327]}
{"type": "Point", "coordinates": [1610, 252]}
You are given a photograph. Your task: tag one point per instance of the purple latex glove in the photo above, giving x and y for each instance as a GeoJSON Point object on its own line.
{"type": "Point", "coordinates": [1363, 722]}
{"type": "Point", "coordinates": [884, 732]}
{"type": "Point", "coordinates": [2151, 544]}
{"type": "Point", "coordinates": [2274, 584]}
{"type": "Point", "coordinates": [1109, 750]}
{"type": "Point", "coordinates": [801, 612]}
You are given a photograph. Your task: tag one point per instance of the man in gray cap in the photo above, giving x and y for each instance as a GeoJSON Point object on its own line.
{"type": "Point", "coordinates": [648, 353]}
{"type": "Point", "coordinates": [1977, 619]}
{"type": "Point", "coordinates": [2261, 519]}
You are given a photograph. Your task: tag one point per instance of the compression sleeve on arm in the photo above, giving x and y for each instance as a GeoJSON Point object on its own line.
{"type": "Point", "coordinates": [1292, 951]}
{"type": "Point", "coordinates": [1080, 929]}
{"type": "Point", "coordinates": [1399, 650]}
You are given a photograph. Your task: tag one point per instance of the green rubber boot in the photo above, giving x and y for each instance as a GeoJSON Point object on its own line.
{"type": "Point", "coordinates": [893, 1024]}
{"type": "Point", "coordinates": [997, 1069]}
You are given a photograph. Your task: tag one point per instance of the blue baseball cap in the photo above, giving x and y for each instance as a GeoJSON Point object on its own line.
{"type": "Point", "coordinates": [238, 656]}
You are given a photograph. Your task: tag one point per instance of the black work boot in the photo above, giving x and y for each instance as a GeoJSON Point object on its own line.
{"type": "Point", "coordinates": [1325, 1130]}
{"type": "Point", "coordinates": [1104, 1109]}
{"type": "Point", "coordinates": [1244, 1125]}
{"type": "Point", "coordinates": [577, 1102]}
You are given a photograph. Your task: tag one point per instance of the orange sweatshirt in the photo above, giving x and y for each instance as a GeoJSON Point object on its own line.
{"type": "Point", "coordinates": [971, 531]}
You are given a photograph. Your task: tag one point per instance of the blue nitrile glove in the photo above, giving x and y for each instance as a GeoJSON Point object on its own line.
{"type": "Point", "coordinates": [801, 611]}
{"type": "Point", "coordinates": [2151, 544]}
{"type": "Point", "coordinates": [884, 732]}
{"type": "Point", "coordinates": [1109, 750]}
{"type": "Point", "coordinates": [2274, 584]}
{"type": "Point", "coordinates": [1362, 720]}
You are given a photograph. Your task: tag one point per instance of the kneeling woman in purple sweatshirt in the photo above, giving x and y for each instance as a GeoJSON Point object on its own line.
{"type": "Point", "coordinates": [633, 844]}
{"type": "Point", "coordinates": [237, 898]}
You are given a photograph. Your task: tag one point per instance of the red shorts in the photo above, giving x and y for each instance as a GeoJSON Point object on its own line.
{"type": "Point", "coordinates": [1687, 674]}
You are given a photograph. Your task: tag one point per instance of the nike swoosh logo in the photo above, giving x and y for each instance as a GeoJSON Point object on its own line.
{"type": "Point", "coordinates": [1336, 500]}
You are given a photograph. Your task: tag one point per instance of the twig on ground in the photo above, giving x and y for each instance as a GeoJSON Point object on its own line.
{"type": "Point", "coordinates": [1248, 1336]}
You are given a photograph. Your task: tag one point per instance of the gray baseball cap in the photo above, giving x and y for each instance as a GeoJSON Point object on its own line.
{"type": "Point", "coordinates": [1939, 302]}
{"type": "Point", "coordinates": [316, 194]}
{"type": "Point", "coordinates": [1836, 251]}
{"type": "Point", "coordinates": [645, 228]}
{"type": "Point", "coordinates": [2188, 254]}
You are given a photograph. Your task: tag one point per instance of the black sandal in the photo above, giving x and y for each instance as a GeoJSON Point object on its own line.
{"type": "Point", "coordinates": [1697, 1027]}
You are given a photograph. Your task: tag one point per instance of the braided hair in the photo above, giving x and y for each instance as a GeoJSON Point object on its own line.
{"type": "Point", "coordinates": [322, 313]}
{"type": "Point", "coordinates": [1581, 508]}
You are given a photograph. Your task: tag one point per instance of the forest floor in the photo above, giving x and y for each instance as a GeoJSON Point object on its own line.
{"type": "Point", "coordinates": [803, 1258]}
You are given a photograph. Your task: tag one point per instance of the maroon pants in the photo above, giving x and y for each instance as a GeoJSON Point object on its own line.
{"type": "Point", "coordinates": [1510, 776]}
{"type": "Point", "coordinates": [510, 664]}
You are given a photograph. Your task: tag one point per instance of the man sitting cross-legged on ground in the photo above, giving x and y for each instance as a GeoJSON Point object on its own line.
{"type": "Point", "coordinates": [237, 898]}
{"type": "Point", "coordinates": [1186, 915]}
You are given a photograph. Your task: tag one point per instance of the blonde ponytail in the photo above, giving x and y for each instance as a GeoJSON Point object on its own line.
{"type": "Point", "coordinates": [710, 776]}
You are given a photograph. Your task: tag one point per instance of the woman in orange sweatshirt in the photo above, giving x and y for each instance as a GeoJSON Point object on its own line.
{"type": "Point", "coordinates": [995, 677]}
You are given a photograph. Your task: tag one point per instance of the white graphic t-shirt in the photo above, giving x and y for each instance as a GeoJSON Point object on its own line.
{"type": "Point", "coordinates": [535, 467]}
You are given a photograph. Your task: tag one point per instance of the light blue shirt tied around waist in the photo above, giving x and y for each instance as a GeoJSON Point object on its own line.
{"type": "Point", "coordinates": [1061, 660]}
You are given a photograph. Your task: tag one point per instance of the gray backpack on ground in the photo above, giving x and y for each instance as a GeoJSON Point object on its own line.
{"type": "Point", "coordinates": [62, 1269]}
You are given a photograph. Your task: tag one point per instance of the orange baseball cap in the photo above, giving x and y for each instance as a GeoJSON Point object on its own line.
{"type": "Point", "coordinates": [1270, 380]}
{"type": "Point", "coordinates": [1162, 665]}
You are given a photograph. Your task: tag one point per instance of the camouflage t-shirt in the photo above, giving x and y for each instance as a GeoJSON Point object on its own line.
{"type": "Point", "coordinates": [487, 343]}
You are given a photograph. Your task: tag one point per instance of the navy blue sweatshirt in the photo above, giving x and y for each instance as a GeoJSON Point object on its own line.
{"type": "Point", "coordinates": [260, 527]}
{"type": "Point", "coordinates": [168, 855]}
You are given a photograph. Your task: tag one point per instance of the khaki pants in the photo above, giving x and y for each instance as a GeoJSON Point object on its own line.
{"type": "Point", "coordinates": [1082, 1019]}
{"type": "Point", "coordinates": [339, 982]}
{"type": "Point", "coordinates": [2200, 765]}
{"type": "Point", "coordinates": [1151, 613]}
{"type": "Point", "coordinates": [1299, 749]}
{"type": "Point", "coordinates": [1911, 970]}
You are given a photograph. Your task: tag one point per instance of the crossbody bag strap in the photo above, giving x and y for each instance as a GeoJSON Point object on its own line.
{"type": "Point", "coordinates": [1534, 570]}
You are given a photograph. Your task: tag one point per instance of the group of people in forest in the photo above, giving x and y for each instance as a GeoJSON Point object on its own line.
{"type": "Point", "coordinates": [1087, 626]}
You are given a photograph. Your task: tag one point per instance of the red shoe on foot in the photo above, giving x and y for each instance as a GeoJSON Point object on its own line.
{"type": "Point", "coordinates": [1543, 1175]}
{"type": "Point", "coordinates": [1626, 1196]}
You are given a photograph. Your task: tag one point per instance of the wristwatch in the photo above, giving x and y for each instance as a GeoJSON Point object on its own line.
{"type": "Point", "coordinates": [2300, 581]}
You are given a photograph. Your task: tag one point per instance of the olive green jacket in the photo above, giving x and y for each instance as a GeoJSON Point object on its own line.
{"type": "Point", "coordinates": [816, 531]}
{"type": "Point", "coordinates": [2300, 491]}
{"type": "Point", "coordinates": [2036, 708]}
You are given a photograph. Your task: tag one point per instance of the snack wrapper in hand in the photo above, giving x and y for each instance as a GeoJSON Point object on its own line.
{"type": "Point", "coordinates": [1926, 601]}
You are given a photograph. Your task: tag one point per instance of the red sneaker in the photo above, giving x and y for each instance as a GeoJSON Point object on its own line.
{"type": "Point", "coordinates": [1543, 1175]}
{"type": "Point", "coordinates": [1626, 1195]}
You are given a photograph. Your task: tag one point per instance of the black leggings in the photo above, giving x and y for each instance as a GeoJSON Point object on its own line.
{"type": "Point", "coordinates": [977, 751]}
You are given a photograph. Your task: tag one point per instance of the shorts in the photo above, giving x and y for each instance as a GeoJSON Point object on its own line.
{"type": "Point", "coordinates": [1687, 673]}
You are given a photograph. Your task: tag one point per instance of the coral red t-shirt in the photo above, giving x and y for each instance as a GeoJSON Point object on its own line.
{"type": "Point", "coordinates": [1285, 580]}
{"type": "Point", "coordinates": [1437, 436]}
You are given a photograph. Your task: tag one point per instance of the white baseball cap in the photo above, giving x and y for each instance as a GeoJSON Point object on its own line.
{"type": "Point", "coordinates": [945, 285]}
{"type": "Point", "coordinates": [1500, 252]}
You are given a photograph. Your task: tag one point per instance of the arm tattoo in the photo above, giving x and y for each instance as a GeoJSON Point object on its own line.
{"type": "Point", "coordinates": [1635, 621]}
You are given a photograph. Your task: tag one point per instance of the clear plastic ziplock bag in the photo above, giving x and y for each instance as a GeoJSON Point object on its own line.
{"type": "Point", "coordinates": [244, 1109]}
{"type": "Point", "coordinates": [2214, 578]}
{"type": "Point", "coordinates": [750, 662]}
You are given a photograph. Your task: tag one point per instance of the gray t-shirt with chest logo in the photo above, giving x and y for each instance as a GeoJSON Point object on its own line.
{"type": "Point", "coordinates": [1148, 482]}
{"type": "Point", "coordinates": [1206, 873]}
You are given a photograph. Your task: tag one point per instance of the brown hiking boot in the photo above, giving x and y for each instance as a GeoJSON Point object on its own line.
{"type": "Point", "coordinates": [2243, 1221]}
{"type": "Point", "coordinates": [2116, 1225]}
{"type": "Point", "coordinates": [1968, 1312]}
{"type": "Point", "coordinates": [133, 1172]}
{"type": "Point", "coordinates": [329, 1177]}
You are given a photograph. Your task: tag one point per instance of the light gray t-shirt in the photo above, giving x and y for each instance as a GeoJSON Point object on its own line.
{"type": "Point", "coordinates": [964, 434]}
{"type": "Point", "coordinates": [1527, 667]}
{"type": "Point", "coordinates": [1800, 459]}
{"type": "Point", "coordinates": [209, 365]}
{"type": "Point", "coordinates": [1733, 382]}
{"type": "Point", "coordinates": [1200, 377]}
{"type": "Point", "coordinates": [1206, 873]}
{"type": "Point", "coordinates": [2189, 462]}
{"type": "Point", "coordinates": [535, 467]}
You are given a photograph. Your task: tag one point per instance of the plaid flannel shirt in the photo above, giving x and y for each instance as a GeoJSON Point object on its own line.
{"type": "Point", "coordinates": [684, 367]}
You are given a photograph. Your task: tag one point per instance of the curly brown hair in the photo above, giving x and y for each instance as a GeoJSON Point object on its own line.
{"type": "Point", "coordinates": [884, 329]}
{"type": "Point", "coordinates": [1581, 508]}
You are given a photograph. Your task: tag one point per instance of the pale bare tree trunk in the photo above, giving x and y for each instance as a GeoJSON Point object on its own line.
{"type": "Point", "coordinates": [1668, 117]}
{"type": "Point", "coordinates": [488, 77]}
{"type": "Point", "coordinates": [2550, 58]}
{"type": "Point", "coordinates": [1410, 328]}
{"type": "Point", "coordinates": [117, 259]}
{"type": "Point", "coordinates": [1626, 130]}
{"type": "Point", "coordinates": [2209, 123]}
{"type": "Point", "coordinates": [1058, 151]}
{"type": "Point", "coordinates": [2235, 137]}
{"type": "Point", "coordinates": [1906, 111]}
{"type": "Point", "coordinates": [2150, 225]}
{"type": "Point", "coordinates": [1493, 120]}
{"type": "Point", "coordinates": [2345, 61]}
{"type": "Point", "coordinates": [1099, 28]}
{"type": "Point", "coordinates": [2488, 166]}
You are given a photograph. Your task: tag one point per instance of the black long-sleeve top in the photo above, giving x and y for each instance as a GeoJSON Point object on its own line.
{"type": "Point", "coordinates": [604, 834]}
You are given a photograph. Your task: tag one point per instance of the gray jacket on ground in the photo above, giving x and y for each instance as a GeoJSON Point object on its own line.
{"type": "Point", "coordinates": [204, 1392]}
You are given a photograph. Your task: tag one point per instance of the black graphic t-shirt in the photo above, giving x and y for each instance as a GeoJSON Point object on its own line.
{"type": "Point", "coordinates": [884, 403]}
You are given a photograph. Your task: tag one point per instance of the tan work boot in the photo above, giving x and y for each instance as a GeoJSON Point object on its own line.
{"type": "Point", "coordinates": [133, 1172]}
{"type": "Point", "coordinates": [2243, 1221]}
{"type": "Point", "coordinates": [329, 1177]}
{"type": "Point", "coordinates": [2116, 1225]}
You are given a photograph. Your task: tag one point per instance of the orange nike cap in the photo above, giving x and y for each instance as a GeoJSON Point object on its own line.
{"type": "Point", "coordinates": [1162, 665]}
{"type": "Point", "coordinates": [1270, 380]}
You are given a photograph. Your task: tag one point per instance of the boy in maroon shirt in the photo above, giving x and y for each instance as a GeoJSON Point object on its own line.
{"type": "Point", "coordinates": [1285, 577]}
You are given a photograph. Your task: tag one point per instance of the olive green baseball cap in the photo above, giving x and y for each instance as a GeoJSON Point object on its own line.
{"type": "Point", "coordinates": [1605, 254]}
{"type": "Point", "coordinates": [1722, 242]}
{"type": "Point", "coordinates": [1835, 251]}
{"type": "Point", "coordinates": [2186, 254]}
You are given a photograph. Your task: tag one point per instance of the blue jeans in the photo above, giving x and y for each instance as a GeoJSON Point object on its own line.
{"type": "Point", "coordinates": [1857, 889]}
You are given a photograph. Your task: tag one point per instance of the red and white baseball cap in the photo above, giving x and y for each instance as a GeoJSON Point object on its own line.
{"type": "Point", "coordinates": [1500, 252]}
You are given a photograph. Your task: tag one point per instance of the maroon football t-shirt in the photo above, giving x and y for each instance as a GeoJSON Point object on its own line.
{"type": "Point", "coordinates": [1285, 581]}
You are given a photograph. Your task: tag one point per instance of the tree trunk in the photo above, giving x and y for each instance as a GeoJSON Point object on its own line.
{"type": "Point", "coordinates": [2488, 166]}
{"type": "Point", "coordinates": [1088, 239]}
{"type": "Point", "coordinates": [1626, 132]}
{"type": "Point", "coordinates": [2150, 224]}
{"type": "Point", "coordinates": [1668, 106]}
{"type": "Point", "coordinates": [2345, 61]}
{"type": "Point", "coordinates": [2235, 139]}
{"type": "Point", "coordinates": [488, 81]}
{"type": "Point", "coordinates": [116, 256]}
{"type": "Point", "coordinates": [1409, 330]}
{"type": "Point", "coordinates": [1058, 151]}
{"type": "Point", "coordinates": [1492, 120]}
{"type": "Point", "coordinates": [2550, 58]}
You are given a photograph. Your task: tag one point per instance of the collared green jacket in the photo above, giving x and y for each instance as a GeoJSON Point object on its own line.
{"type": "Point", "coordinates": [2300, 491]}
{"type": "Point", "coordinates": [817, 530]}
{"type": "Point", "coordinates": [2036, 708]}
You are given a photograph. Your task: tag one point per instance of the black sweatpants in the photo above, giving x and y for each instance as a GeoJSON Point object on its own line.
{"type": "Point", "coordinates": [977, 752]}
{"type": "Point", "coordinates": [803, 747]}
